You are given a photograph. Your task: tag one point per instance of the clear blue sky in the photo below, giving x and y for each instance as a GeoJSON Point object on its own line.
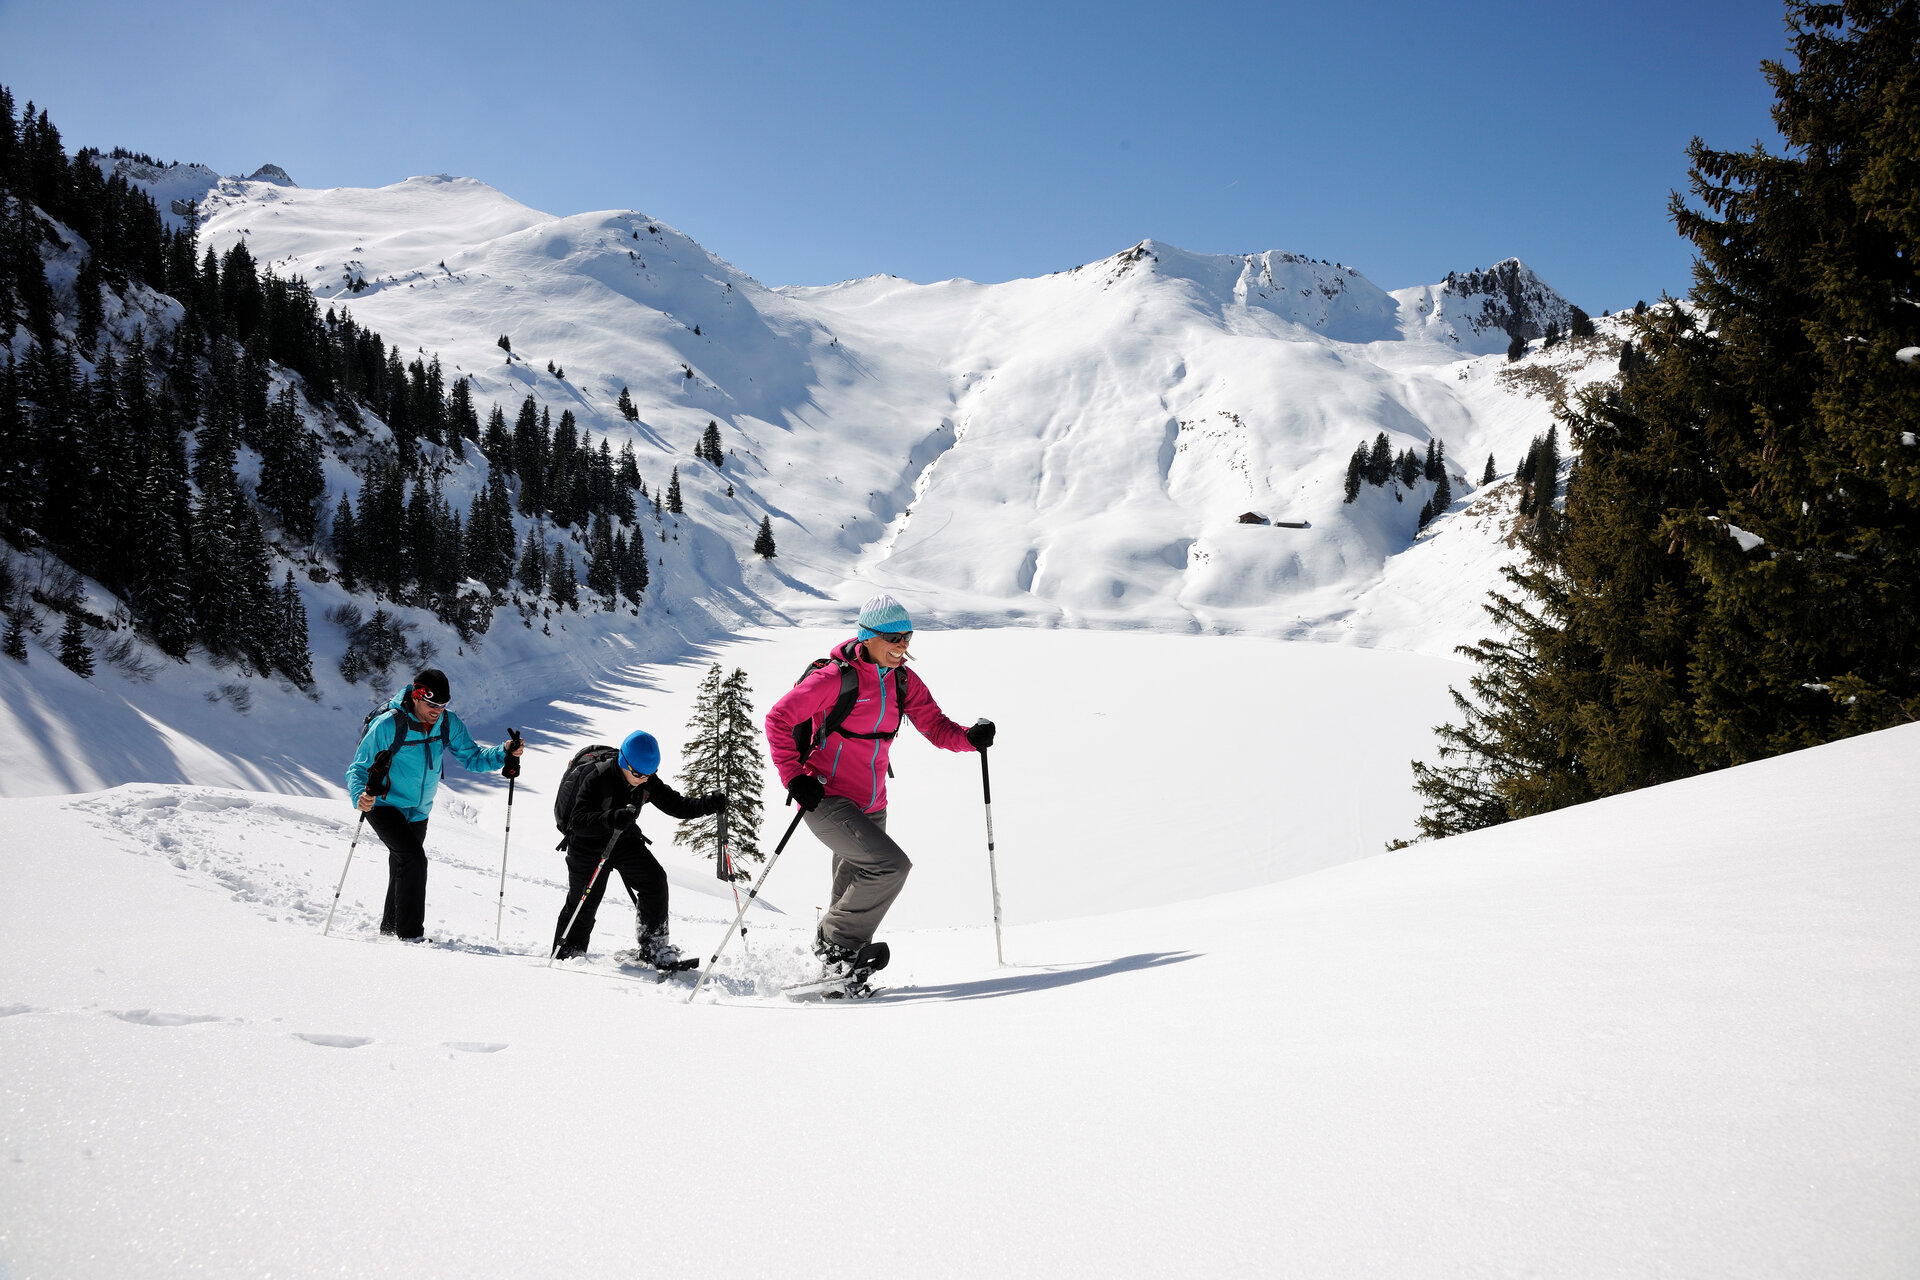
{"type": "Point", "coordinates": [809, 143]}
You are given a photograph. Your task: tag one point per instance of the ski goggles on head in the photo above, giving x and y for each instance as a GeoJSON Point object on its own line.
{"type": "Point", "coordinates": [425, 695]}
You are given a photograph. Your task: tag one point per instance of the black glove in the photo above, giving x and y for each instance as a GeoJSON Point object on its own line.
{"type": "Point", "coordinates": [980, 735]}
{"type": "Point", "coordinates": [806, 791]}
{"type": "Point", "coordinates": [621, 819]}
{"type": "Point", "coordinates": [717, 802]}
{"type": "Point", "coordinates": [511, 769]}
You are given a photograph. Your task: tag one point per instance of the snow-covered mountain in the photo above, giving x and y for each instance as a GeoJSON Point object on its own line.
{"type": "Point", "coordinates": [1157, 440]}
{"type": "Point", "coordinates": [1078, 448]}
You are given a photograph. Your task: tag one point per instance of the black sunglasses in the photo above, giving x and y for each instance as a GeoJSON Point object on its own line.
{"type": "Point", "coordinates": [895, 637]}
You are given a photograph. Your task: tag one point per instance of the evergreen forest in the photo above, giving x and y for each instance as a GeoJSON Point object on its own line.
{"type": "Point", "coordinates": [167, 414]}
{"type": "Point", "coordinates": [1735, 570]}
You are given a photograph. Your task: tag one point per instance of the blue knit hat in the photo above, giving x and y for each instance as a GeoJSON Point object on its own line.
{"type": "Point", "coordinates": [640, 753]}
{"type": "Point", "coordinates": [883, 615]}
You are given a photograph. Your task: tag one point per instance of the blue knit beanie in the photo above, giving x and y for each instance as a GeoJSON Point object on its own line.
{"type": "Point", "coordinates": [883, 615]}
{"type": "Point", "coordinates": [640, 753]}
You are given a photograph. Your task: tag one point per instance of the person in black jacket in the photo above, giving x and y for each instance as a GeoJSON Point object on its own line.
{"type": "Point", "coordinates": [609, 803]}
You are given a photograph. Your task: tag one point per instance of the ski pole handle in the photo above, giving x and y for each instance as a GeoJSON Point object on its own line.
{"type": "Point", "coordinates": [511, 769]}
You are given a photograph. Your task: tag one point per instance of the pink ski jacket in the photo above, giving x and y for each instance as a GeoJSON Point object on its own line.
{"type": "Point", "coordinates": [856, 767]}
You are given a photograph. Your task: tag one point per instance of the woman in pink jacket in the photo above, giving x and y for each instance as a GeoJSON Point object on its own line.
{"type": "Point", "coordinates": [837, 774]}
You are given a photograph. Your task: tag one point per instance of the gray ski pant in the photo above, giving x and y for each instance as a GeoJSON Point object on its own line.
{"type": "Point", "coordinates": [869, 869]}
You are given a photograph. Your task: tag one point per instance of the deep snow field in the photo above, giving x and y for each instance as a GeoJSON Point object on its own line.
{"type": "Point", "coordinates": [1672, 1033]}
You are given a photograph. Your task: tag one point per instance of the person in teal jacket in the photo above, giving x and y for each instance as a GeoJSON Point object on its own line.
{"type": "Point", "coordinates": [393, 779]}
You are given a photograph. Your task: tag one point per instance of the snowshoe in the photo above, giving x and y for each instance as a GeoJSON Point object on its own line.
{"type": "Point", "coordinates": [844, 973]}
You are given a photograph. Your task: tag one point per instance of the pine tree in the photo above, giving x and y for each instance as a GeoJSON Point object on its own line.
{"type": "Point", "coordinates": [563, 585]}
{"type": "Point", "coordinates": [292, 655]}
{"type": "Point", "coordinates": [1380, 461]}
{"type": "Point", "coordinates": [15, 644]}
{"type": "Point", "coordinates": [1407, 466]}
{"type": "Point", "coordinates": [1516, 348]}
{"type": "Point", "coordinates": [160, 594]}
{"type": "Point", "coordinates": [1657, 642]}
{"type": "Point", "coordinates": [219, 605]}
{"type": "Point", "coordinates": [1489, 475]}
{"type": "Point", "coordinates": [75, 656]}
{"type": "Point", "coordinates": [291, 479]}
{"type": "Point", "coordinates": [532, 570]}
{"type": "Point", "coordinates": [260, 622]}
{"type": "Point", "coordinates": [602, 578]}
{"type": "Point", "coordinates": [627, 410]}
{"type": "Point", "coordinates": [1356, 471]}
{"type": "Point", "coordinates": [633, 567]}
{"type": "Point", "coordinates": [710, 445]}
{"type": "Point", "coordinates": [673, 493]}
{"type": "Point", "coordinates": [382, 529]}
{"type": "Point", "coordinates": [1580, 324]}
{"type": "Point", "coordinates": [344, 538]}
{"type": "Point", "coordinates": [496, 443]}
{"type": "Point", "coordinates": [763, 540]}
{"type": "Point", "coordinates": [1805, 267]}
{"type": "Point", "coordinates": [530, 459]}
{"type": "Point", "coordinates": [723, 754]}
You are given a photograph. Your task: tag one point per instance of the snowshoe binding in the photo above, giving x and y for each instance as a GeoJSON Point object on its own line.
{"type": "Point", "coordinates": [845, 972]}
{"type": "Point", "coordinates": [657, 953]}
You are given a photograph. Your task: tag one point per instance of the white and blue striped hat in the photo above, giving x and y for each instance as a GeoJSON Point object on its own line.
{"type": "Point", "coordinates": [883, 615]}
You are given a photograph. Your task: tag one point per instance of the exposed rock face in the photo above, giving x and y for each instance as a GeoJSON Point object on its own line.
{"type": "Point", "coordinates": [1506, 296]}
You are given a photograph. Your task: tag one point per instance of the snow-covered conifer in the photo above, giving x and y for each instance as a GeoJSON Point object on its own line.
{"type": "Point", "coordinates": [75, 656]}
{"type": "Point", "coordinates": [723, 754]}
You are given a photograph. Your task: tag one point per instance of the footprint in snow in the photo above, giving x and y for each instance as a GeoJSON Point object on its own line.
{"type": "Point", "coordinates": [332, 1042]}
{"type": "Point", "coordinates": [148, 1018]}
{"type": "Point", "coordinates": [8, 1010]}
{"type": "Point", "coordinates": [473, 1046]}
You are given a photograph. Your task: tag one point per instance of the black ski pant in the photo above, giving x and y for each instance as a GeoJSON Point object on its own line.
{"type": "Point", "coordinates": [406, 909]}
{"type": "Point", "coordinates": [640, 871]}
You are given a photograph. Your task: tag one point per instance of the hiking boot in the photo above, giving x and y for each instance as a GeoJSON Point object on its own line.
{"type": "Point", "coordinates": [836, 961]}
{"type": "Point", "coordinates": [655, 949]}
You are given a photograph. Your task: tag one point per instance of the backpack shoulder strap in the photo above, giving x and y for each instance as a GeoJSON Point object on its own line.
{"type": "Point", "coordinates": [399, 736]}
{"type": "Point", "coordinates": [842, 703]}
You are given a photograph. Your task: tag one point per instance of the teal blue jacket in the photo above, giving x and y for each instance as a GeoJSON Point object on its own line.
{"type": "Point", "coordinates": [414, 774]}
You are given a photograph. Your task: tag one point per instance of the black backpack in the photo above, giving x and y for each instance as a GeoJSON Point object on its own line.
{"type": "Point", "coordinates": [587, 764]}
{"type": "Point", "coordinates": [807, 743]}
{"type": "Point", "coordinates": [382, 762]}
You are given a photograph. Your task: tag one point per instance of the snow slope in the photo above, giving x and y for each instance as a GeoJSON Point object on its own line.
{"type": "Point", "coordinates": [1071, 450]}
{"type": "Point", "coordinates": [1670, 1033]}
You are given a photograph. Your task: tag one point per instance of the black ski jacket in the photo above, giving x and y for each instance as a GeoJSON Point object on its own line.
{"type": "Point", "coordinates": [587, 825]}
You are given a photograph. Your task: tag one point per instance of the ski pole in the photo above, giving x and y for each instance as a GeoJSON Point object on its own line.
{"type": "Point", "coordinates": [993, 872]}
{"type": "Point", "coordinates": [728, 935]}
{"type": "Point", "coordinates": [723, 867]}
{"type": "Point", "coordinates": [377, 785]}
{"type": "Point", "coordinates": [579, 906]}
{"type": "Point", "coordinates": [354, 844]}
{"type": "Point", "coordinates": [511, 771]}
